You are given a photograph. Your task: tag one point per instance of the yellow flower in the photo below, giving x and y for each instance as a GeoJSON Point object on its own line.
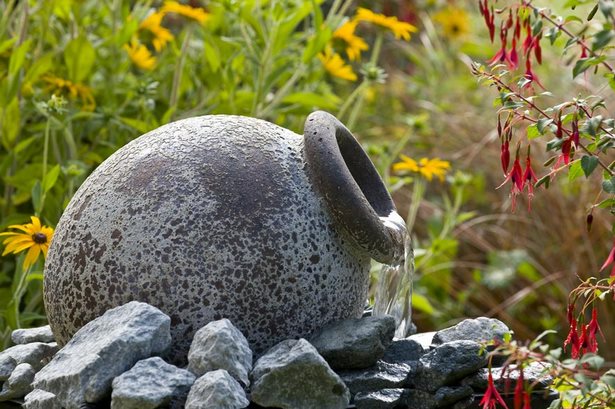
{"type": "Point", "coordinates": [153, 23]}
{"type": "Point", "coordinates": [399, 28]}
{"type": "Point", "coordinates": [428, 168]}
{"type": "Point", "coordinates": [354, 44]}
{"type": "Point", "coordinates": [454, 21]}
{"type": "Point", "coordinates": [33, 237]}
{"type": "Point", "coordinates": [60, 86]}
{"type": "Point", "coordinates": [140, 55]}
{"type": "Point", "coordinates": [335, 65]}
{"type": "Point", "coordinates": [194, 13]}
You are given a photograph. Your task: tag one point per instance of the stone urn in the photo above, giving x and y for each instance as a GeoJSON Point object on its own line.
{"type": "Point", "coordinates": [225, 217]}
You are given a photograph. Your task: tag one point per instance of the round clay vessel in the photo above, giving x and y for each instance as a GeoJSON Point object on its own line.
{"type": "Point", "coordinates": [225, 217]}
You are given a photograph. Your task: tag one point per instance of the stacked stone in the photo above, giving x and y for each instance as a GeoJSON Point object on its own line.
{"type": "Point", "coordinates": [115, 362]}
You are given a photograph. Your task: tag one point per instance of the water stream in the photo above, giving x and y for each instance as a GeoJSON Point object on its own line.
{"type": "Point", "coordinates": [394, 287]}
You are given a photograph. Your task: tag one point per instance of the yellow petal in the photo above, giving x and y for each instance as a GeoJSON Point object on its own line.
{"type": "Point", "coordinates": [31, 257]}
{"type": "Point", "coordinates": [36, 222]}
{"type": "Point", "coordinates": [19, 247]}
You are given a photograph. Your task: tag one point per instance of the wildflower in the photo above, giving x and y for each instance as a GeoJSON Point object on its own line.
{"type": "Point", "coordinates": [502, 55]}
{"type": "Point", "coordinates": [454, 22]}
{"type": "Point", "coordinates": [573, 338]}
{"type": "Point", "coordinates": [195, 13]}
{"type": "Point", "coordinates": [60, 86]}
{"type": "Point", "coordinates": [428, 168]}
{"type": "Point", "coordinates": [593, 328]}
{"type": "Point", "coordinates": [33, 237]}
{"type": "Point", "coordinates": [489, 17]}
{"type": "Point", "coordinates": [516, 177]}
{"type": "Point", "coordinates": [335, 65]}
{"type": "Point", "coordinates": [140, 55]}
{"type": "Point", "coordinates": [153, 24]}
{"type": "Point", "coordinates": [529, 178]}
{"type": "Point", "coordinates": [354, 44]}
{"type": "Point", "coordinates": [399, 28]}
{"type": "Point", "coordinates": [610, 259]}
{"type": "Point", "coordinates": [530, 75]}
{"type": "Point", "coordinates": [521, 396]}
{"type": "Point", "coordinates": [491, 397]}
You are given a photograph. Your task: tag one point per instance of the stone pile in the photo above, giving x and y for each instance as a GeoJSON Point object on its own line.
{"type": "Point", "coordinates": [116, 361]}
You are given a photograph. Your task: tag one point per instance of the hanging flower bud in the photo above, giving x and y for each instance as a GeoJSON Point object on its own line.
{"type": "Point", "coordinates": [529, 178]}
{"type": "Point", "coordinates": [527, 43]}
{"type": "Point", "coordinates": [517, 33]}
{"type": "Point", "coordinates": [512, 57]}
{"type": "Point", "coordinates": [491, 24]}
{"type": "Point", "coordinates": [566, 149]}
{"type": "Point", "coordinates": [537, 48]}
{"type": "Point", "coordinates": [530, 75]}
{"type": "Point", "coordinates": [588, 222]}
{"type": "Point", "coordinates": [560, 131]}
{"type": "Point", "coordinates": [505, 156]}
{"type": "Point", "coordinates": [575, 131]}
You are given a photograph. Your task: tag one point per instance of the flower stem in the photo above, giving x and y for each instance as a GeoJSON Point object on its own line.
{"type": "Point", "coordinates": [179, 68]}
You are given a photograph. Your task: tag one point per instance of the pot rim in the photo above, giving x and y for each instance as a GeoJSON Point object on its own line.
{"type": "Point", "coordinates": [355, 195]}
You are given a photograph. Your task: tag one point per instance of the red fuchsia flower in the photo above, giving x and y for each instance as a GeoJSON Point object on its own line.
{"type": "Point", "coordinates": [529, 39]}
{"type": "Point", "coordinates": [593, 328]}
{"type": "Point", "coordinates": [609, 260]}
{"type": "Point", "coordinates": [491, 397]}
{"type": "Point", "coordinates": [530, 75]}
{"type": "Point", "coordinates": [560, 130]}
{"type": "Point", "coordinates": [537, 48]}
{"type": "Point", "coordinates": [505, 156]}
{"type": "Point", "coordinates": [573, 339]}
{"type": "Point", "coordinates": [512, 57]}
{"type": "Point", "coordinates": [575, 131]}
{"type": "Point", "coordinates": [488, 16]}
{"type": "Point", "coordinates": [521, 396]}
{"type": "Point", "coordinates": [583, 48]}
{"type": "Point", "coordinates": [566, 148]}
{"type": "Point", "coordinates": [517, 33]}
{"type": "Point", "coordinates": [516, 177]}
{"type": "Point", "coordinates": [529, 178]}
{"type": "Point", "coordinates": [502, 55]}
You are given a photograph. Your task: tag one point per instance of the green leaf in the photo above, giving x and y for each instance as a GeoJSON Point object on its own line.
{"type": "Point", "coordinates": [589, 163]}
{"type": "Point", "coordinates": [37, 194]}
{"type": "Point", "coordinates": [18, 57]}
{"type": "Point", "coordinates": [542, 124]}
{"type": "Point", "coordinates": [533, 132]}
{"type": "Point", "coordinates": [575, 171]}
{"type": "Point", "coordinates": [592, 13]}
{"type": "Point", "coordinates": [609, 185]}
{"type": "Point", "coordinates": [421, 303]}
{"type": "Point", "coordinates": [51, 178]}
{"type": "Point", "coordinates": [34, 277]}
{"type": "Point", "coordinates": [137, 124]}
{"type": "Point", "coordinates": [212, 55]}
{"type": "Point", "coordinates": [544, 180]}
{"type": "Point", "coordinates": [601, 39]}
{"type": "Point", "coordinates": [537, 27]}
{"type": "Point", "coordinates": [585, 63]}
{"type": "Point", "coordinates": [79, 56]}
{"type": "Point", "coordinates": [606, 203]}
{"type": "Point", "coordinates": [313, 100]}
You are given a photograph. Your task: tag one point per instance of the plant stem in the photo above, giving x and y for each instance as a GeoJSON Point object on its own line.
{"type": "Point", "coordinates": [179, 68]}
{"type": "Point", "coordinates": [282, 92]}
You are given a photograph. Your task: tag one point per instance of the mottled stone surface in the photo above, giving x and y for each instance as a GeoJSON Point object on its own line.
{"type": "Point", "coordinates": [18, 384]}
{"type": "Point", "coordinates": [382, 399]}
{"type": "Point", "coordinates": [403, 350]}
{"type": "Point", "coordinates": [40, 399]}
{"type": "Point", "coordinates": [205, 218]}
{"type": "Point", "coordinates": [292, 375]}
{"type": "Point", "coordinates": [383, 375]}
{"type": "Point", "coordinates": [220, 345]}
{"type": "Point", "coordinates": [216, 390]}
{"type": "Point", "coordinates": [479, 329]}
{"type": "Point", "coordinates": [448, 363]}
{"type": "Point", "coordinates": [151, 383]}
{"type": "Point", "coordinates": [7, 364]}
{"type": "Point", "coordinates": [354, 343]}
{"type": "Point", "coordinates": [34, 353]}
{"type": "Point", "coordinates": [82, 370]}
{"type": "Point", "coordinates": [535, 373]}
{"type": "Point", "coordinates": [27, 335]}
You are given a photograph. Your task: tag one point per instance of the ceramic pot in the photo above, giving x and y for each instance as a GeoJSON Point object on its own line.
{"type": "Point", "coordinates": [225, 216]}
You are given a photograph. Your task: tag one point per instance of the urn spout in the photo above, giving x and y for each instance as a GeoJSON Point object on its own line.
{"type": "Point", "coordinates": [356, 197]}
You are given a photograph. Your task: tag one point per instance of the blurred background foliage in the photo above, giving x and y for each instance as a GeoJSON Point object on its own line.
{"type": "Point", "coordinates": [80, 78]}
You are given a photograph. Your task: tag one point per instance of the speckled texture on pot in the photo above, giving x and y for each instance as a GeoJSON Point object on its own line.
{"type": "Point", "coordinates": [205, 218]}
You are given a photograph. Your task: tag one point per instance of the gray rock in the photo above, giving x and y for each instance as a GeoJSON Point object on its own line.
{"type": "Point", "coordinates": [216, 390]}
{"type": "Point", "coordinates": [220, 345]}
{"type": "Point", "coordinates": [82, 371]}
{"type": "Point", "coordinates": [7, 364]}
{"type": "Point", "coordinates": [535, 373]}
{"type": "Point", "coordinates": [382, 399]}
{"type": "Point", "coordinates": [35, 354]}
{"type": "Point", "coordinates": [464, 403]}
{"type": "Point", "coordinates": [480, 329]}
{"type": "Point", "coordinates": [40, 399]}
{"type": "Point", "coordinates": [383, 375]}
{"type": "Point", "coordinates": [18, 384]}
{"type": "Point", "coordinates": [354, 343]}
{"type": "Point", "coordinates": [150, 384]}
{"type": "Point", "coordinates": [448, 363]}
{"type": "Point", "coordinates": [27, 335]}
{"type": "Point", "coordinates": [403, 350]}
{"type": "Point", "coordinates": [418, 399]}
{"type": "Point", "coordinates": [448, 395]}
{"type": "Point", "coordinates": [423, 338]}
{"type": "Point", "coordinates": [292, 375]}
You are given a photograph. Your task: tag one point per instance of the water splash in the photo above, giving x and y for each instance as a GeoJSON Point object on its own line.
{"type": "Point", "coordinates": [394, 288]}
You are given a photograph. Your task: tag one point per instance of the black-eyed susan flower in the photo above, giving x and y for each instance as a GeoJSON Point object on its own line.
{"type": "Point", "coordinates": [33, 237]}
{"type": "Point", "coordinates": [335, 65]}
{"type": "Point", "coordinates": [427, 168]}
{"type": "Point", "coordinates": [140, 55]}
{"type": "Point", "coordinates": [400, 29]}
{"type": "Point", "coordinates": [153, 24]}
{"type": "Point", "coordinates": [194, 13]}
{"type": "Point", "coordinates": [353, 43]}
{"type": "Point", "coordinates": [454, 22]}
{"type": "Point", "coordinates": [61, 86]}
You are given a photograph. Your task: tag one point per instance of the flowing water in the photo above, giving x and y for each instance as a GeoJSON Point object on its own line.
{"type": "Point", "coordinates": [394, 287]}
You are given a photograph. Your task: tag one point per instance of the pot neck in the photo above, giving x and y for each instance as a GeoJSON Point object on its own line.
{"type": "Point", "coordinates": [356, 197]}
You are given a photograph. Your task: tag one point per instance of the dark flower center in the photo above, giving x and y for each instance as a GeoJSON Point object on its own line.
{"type": "Point", "coordinates": [39, 238]}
